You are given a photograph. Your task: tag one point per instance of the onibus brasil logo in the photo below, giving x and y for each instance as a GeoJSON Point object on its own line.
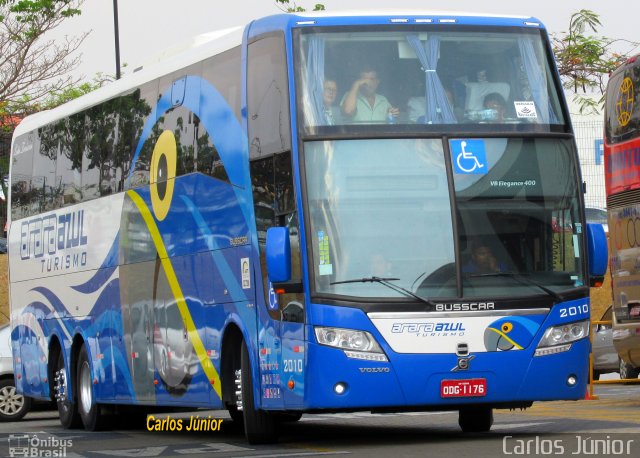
{"type": "Point", "coordinates": [30, 445]}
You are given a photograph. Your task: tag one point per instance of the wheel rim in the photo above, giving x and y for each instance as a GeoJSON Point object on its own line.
{"type": "Point", "coordinates": [85, 387]}
{"type": "Point", "coordinates": [60, 387]}
{"type": "Point", "coordinates": [10, 401]}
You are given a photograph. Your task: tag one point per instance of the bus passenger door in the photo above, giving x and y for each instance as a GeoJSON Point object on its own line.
{"type": "Point", "coordinates": [281, 340]}
{"type": "Point", "coordinates": [281, 333]}
{"type": "Point", "coordinates": [290, 304]}
{"type": "Point", "coordinates": [292, 319]}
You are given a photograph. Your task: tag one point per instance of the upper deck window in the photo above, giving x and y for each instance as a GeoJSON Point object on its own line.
{"type": "Point", "coordinates": [622, 108]}
{"type": "Point", "coordinates": [425, 76]}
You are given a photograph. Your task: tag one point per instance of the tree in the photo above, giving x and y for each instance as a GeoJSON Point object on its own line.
{"type": "Point", "coordinates": [12, 113]}
{"type": "Point", "coordinates": [31, 67]}
{"type": "Point", "coordinates": [585, 61]}
{"type": "Point", "coordinates": [291, 6]}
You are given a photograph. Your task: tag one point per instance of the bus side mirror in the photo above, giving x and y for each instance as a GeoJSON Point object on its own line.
{"type": "Point", "coordinates": [597, 252]}
{"type": "Point", "coordinates": [278, 254]}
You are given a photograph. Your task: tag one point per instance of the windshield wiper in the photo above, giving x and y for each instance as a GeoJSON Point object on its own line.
{"type": "Point", "coordinates": [522, 279]}
{"type": "Point", "coordinates": [386, 282]}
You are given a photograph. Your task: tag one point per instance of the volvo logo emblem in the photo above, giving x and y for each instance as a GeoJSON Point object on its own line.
{"type": "Point", "coordinates": [462, 352]}
{"type": "Point", "coordinates": [463, 363]}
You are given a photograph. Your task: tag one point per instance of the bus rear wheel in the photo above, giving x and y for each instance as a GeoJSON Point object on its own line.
{"type": "Point", "coordinates": [235, 414]}
{"type": "Point", "coordinates": [90, 411]}
{"type": "Point", "coordinates": [259, 426]}
{"type": "Point", "coordinates": [475, 419]}
{"type": "Point", "coordinates": [288, 417]}
{"type": "Point", "coordinates": [67, 409]}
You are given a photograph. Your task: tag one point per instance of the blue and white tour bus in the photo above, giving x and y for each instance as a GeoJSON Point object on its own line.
{"type": "Point", "coordinates": [313, 213]}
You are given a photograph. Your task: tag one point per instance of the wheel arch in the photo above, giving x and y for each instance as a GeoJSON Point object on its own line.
{"type": "Point", "coordinates": [232, 338]}
{"type": "Point", "coordinates": [76, 345]}
{"type": "Point", "coordinates": [55, 348]}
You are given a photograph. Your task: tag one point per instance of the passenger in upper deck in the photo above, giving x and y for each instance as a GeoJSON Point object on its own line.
{"type": "Point", "coordinates": [332, 112]}
{"type": "Point", "coordinates": [477, 92]}
{"type": "Point", "coordinates": [363, 104]}
{"type": "Point", "coordinates": [496, 103]}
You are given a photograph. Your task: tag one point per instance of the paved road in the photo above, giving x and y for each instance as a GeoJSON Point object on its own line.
{"type": "Point", "coordinates": [561, 428]}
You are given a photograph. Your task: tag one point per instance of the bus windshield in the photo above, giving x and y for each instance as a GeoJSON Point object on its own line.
{"type": "Point", "coordinates": [423, 76]}
{"type": "Point", "coordinates": [383, 208]}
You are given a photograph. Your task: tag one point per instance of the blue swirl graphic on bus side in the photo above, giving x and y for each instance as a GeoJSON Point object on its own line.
{"type": "Point", "coordinates": [217, 116]}
{"type": "Point", "coordinates": [204, 100]}
{"type": "Point", "coordinates": [197, 217]}
{"type": "Point", "coordinates": [231, 282]}
{"type": "Point", "coordinates": [104, 272]}
{"type": "Point", "coordinates": [219, 213]}
{"type": "Point", "coordinates": [53, 318]}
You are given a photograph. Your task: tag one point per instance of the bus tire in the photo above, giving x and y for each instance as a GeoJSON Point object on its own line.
{"type": "Point", "coordinates": [475, 419]}
{"type": "Point", "coordinates": [90, 411]}
{"type": "Point", "coordinates": [235, 414]}
{"type": "Point", "coordinates": [627, 370]}
{"type": "Point", "coordinates": [67, 409]}
{"type": "Point", "coordinates": [259, 426]}
{"type": "Point", "coordinates": [288, 417]}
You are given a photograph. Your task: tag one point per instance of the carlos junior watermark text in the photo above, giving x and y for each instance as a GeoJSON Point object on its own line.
{"type": "Point", "coordinates": [193, 423]}
{"type": "Point", "coordinates": [568, 445]}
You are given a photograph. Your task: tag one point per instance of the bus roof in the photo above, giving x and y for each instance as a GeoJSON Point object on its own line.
{"type": "Point", "coordinates": [389, 12]}
{"type": "Point", "coordinates": [212, 43]}
{"type": "Point", "coordinates": [180, 56]}
{"type": "Point", "coordinates": [389, 16]}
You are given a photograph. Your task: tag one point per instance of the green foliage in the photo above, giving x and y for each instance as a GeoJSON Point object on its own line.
{"type": "Point", "coordinates": [32, 66]}
{"type": "Point", "coordinates": [73, 92]}
{"type": "Point", "coordinates": [33, 13]}
{"type": "Point", "coordinates": [25, 105]}
{"type": "Point", "coordinates": [585, 61]}
{"type": "Point", "coordinates": [291, 7]}
{"type": "Point", "coordinates": [33, 10]}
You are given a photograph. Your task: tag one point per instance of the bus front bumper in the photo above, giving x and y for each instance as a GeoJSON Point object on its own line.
{"type": "Point", "coordinates": [414, 381]}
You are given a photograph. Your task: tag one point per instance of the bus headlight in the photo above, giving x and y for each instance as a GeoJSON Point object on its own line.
{"type": "Point", "coordinates": [349, 340]}
{"type": "Point", "coordinates": [557, 339]}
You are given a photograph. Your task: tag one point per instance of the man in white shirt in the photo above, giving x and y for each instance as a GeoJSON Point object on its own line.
{"type": "Point", "coordinates": [362, 104]}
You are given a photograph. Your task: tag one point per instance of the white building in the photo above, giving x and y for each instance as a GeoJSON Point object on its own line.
{"type": "Point", "coordinates": [589, 130]}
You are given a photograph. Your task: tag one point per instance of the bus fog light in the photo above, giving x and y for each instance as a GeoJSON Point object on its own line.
{"type": "Point", "coordinates": [340, 388]}
{"type": "Point", "coordinates": [572, 380]}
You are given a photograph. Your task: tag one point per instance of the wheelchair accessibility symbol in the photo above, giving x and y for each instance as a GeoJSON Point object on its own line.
{"type": "Point", "coordinates": [470, 157]}
{"type": "Point", "coordinates": [273, 298]}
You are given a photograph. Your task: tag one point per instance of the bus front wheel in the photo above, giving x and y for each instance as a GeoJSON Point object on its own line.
{"type": "Point", "coordinates": [90, 411]}
{"type": "Point", "coordinates": [259, 426]}
{"type": "Point", "coordinates": [475, 419]}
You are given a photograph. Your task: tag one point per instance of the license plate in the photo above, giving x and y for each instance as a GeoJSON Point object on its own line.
{"type": "Point", "coordinates": [463, 388]}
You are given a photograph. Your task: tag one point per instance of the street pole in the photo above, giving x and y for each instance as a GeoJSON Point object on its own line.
{"type": "Point", "coordinates": [116, 33]}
